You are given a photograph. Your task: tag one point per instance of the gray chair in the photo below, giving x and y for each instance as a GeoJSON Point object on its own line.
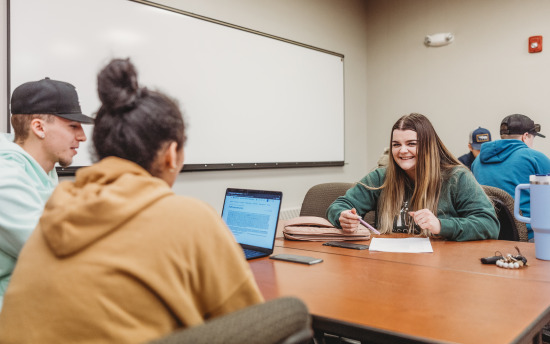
{"type": "Point", "coordinates": [319, 197]}
{"type": "Point", "coordinates": [285, 320]}
{"type": "Point", "coordinates": [510, 228]}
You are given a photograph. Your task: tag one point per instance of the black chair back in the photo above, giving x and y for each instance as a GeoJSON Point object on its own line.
{"type": "Point", "coordinates": [510, 228]}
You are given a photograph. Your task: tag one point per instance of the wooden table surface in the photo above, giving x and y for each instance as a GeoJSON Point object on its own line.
{"type": "Point", "coordinates": [444, 296]}
{"type": "Point", "coordinates": [461, 256]}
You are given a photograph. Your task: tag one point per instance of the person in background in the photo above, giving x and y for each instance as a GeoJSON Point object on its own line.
{"type": "Point", "coordinates": [384, 159]}
{"type": "Point", "coordinates": [475, 140]}
{"type": "Point", "coordinates": [46, 120]}
{"type": "Point", "coordinates": [117, 256]}
{"type": "Point", "coordinates": [423, 191]}
{"type": "Point", "coordinates": [510, 161]}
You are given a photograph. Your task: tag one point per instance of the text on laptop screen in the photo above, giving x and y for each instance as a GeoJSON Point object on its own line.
{"type": "Point", "coordinates": [252, 216]}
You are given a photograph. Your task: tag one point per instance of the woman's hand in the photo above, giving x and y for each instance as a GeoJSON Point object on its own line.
{"type": "Point", "coordinates": [349, 221]}
{"type": "Point", "coordinates": [425, 219]}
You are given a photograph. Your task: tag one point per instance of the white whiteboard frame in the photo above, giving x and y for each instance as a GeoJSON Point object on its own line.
{"type": "Point", "coordinates": [277, 99]}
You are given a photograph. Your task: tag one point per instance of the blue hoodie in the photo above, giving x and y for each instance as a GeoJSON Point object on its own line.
{"type": "Point", "coordinates": [505, 164]}
{"type": "Point", "coordinates": [24, 189]}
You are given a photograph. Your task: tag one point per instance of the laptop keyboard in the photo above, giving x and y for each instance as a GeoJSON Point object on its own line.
{"type": "Point", "coordinates": [251, 253]}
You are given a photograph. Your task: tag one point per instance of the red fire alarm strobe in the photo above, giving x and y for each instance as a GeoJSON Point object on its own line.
{"type": "Point", "coordinates": [535, 44]}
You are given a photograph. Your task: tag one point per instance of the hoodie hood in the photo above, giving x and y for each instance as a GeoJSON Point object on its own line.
{"type": "Point", "coordinates": [7, 144]}
{"type": "Point", "coordinates": [13, 156]}
{"type": "Point", "coordinates": [497, 151]}
{"type": "Point", "coordinates": [102, 197]}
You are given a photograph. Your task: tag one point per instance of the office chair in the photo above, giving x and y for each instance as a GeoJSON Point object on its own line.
{"type": "Point", "coordinates": [285, 320]}
{"type": "Point", "coordinates": [319, 197]}
{"type": "Point", "coordinates": [510, 228]}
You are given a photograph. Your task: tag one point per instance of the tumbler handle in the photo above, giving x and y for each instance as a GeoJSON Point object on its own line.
{"type": "Point", "coordinates": [517, 202]}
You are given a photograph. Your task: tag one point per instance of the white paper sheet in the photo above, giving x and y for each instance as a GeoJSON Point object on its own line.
{"type": "Point", "coordinates": [406, 245]}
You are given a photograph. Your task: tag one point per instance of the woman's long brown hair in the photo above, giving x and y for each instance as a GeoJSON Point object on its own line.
{"type": "Point", "coordinates": [433, 159]}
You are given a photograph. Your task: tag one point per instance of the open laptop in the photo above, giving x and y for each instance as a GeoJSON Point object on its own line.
{"type": "Point", "coordinates": [252, 216]}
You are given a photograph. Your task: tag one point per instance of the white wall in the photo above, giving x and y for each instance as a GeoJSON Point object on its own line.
{"type": "Point", "coordinates": [483, 76]}
{"type": "Point", "coordinates": [333, 25]}
{"type": "Point", "coordinates": [3, 66]}
{"type": "Point", "coordinates": [328, 24]}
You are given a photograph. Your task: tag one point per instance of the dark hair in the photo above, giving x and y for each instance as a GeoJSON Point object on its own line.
{"type": "Point", "coordinates": [133, 123]}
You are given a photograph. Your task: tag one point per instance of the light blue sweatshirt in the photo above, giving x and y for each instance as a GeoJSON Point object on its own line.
{"type": "Point", "coordinates": [505, 164]}
{"type": "Point", "coordinates": [24, 189]}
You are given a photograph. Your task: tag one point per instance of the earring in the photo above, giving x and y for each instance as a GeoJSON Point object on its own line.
{"type": "Point", "coordinates": [42, 135]}
{"type": "Point", "coordinates": [172, 170]}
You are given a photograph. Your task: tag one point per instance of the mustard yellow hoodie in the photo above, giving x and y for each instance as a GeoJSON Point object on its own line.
{"type": "Point", "coordinates": [118, 257]}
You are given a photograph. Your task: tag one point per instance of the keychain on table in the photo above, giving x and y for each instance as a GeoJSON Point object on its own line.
{"type": "Point", "coordinates": [507, 262]}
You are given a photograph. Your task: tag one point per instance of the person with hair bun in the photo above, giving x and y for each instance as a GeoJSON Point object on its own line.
{"type": "Point", "coordinates": [117, 256]}
{"type": "Point", "coordinates": [424, 190]}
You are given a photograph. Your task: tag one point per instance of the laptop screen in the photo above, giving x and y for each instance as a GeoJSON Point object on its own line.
{"type": "Point", "coordinates": [252, 215]}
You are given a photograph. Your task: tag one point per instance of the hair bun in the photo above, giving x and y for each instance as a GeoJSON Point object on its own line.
{"type": "Point", "coordinates": [117, 85]}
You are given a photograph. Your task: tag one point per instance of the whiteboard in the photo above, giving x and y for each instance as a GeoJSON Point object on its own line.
{"type": "Point", "coordinates": [250, 100]}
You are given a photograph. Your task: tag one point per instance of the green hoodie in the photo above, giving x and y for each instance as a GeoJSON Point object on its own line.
{"type": "Point", "coordinates": [24, 189]}
{"type": "Point", "coordinates": [464, 210]}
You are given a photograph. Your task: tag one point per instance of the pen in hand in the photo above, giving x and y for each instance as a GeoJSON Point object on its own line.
{"type": "Point", "coordinates": [364, 223]}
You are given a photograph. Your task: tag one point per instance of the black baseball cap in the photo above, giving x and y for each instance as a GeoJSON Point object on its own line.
{"type": "Point", "coordinates": [50, 97]}
{"type": "Point", "coordinates": [518, 124]}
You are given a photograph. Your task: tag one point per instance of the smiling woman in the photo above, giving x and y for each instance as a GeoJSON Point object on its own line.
{"type": "Point", "coordinates": [403, 149]}
{"type": "Point", "coordinates": [424, 190]}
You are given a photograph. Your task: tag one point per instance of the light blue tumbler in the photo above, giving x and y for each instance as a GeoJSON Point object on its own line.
{"type": "Point", "coordinates": [539, 185]}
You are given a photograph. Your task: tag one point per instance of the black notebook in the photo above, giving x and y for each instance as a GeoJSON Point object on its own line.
{"type": "Point", "coordinates": [252, 216]}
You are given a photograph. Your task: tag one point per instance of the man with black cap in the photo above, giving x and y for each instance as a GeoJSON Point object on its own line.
{"type": "Point", "coordinates": [475, 139]}
{"type": "Point", "coordinates": [508, 162]}
{"type": "Point", "coordinates": [46, 120]}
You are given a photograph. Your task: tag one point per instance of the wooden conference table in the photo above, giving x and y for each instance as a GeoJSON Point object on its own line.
{"type": "Point", "coordinates": [446, 296]}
